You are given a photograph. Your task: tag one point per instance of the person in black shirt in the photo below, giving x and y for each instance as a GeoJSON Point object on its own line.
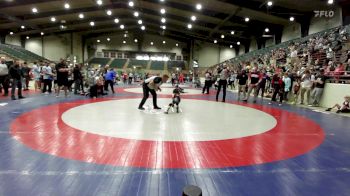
{"type": "Point", "coordinates": [318, 90]}
{"type": "Point", "coordinates": [78, 80]}
{"type": "Point", "coordinates": [25, 73]}
{"type": "Point", "coordinates": [176, 99]}
{"type": "Point", "coordinates": [262, 84]}
{"type": "Point", "coordinates": [62, 77]}
{"type": "Point", "coordinates": [242, 82]}
{"type": "Point", "coordinates": [16, 77]}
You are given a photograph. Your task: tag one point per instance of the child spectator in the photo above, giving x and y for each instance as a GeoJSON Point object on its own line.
{"type": "Point", "coordinates": [345, 108]}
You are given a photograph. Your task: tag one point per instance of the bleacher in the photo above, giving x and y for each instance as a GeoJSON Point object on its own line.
{"type": "Point", "coordinates": [138, 63]}
{"type": "Point", "coordinates": [175, 64]}
{"type": "Point", "coordinates": [157, 65]}
{"type": "Point", "coordinates": [19, 53]}
{"type": "Point", "coordinates": [99, 61]}
{"type": "Point", "coordinates": [118, 63]}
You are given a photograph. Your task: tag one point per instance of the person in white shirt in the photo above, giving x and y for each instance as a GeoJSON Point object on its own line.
{"type": "Point", "coordinates": [47, 76]}
{"type": "Point", "coordinates": [36, 73]}
{"type": "Point", "coordinates": [4, 77]}
{"type": "Point", "coordinates": [224, 74]}
{"type": "Point", "coordinates": [151, 85]}
{"type": "Point", "coordinates": [306, 85]}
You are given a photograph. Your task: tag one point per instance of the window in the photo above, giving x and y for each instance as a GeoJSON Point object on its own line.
{"type": "Point", "coordinates": [178, 58]}
{"type": "Point", "coordinates": [126, 56]}
{"type": "Point", "coordinates": [185, 58]}
{"type": "Point", "coordinates": [120, 55]}
{"type": "Point", "coordinates": [106, 54]}
{"type": "Point", "coordinates": [112, 54]}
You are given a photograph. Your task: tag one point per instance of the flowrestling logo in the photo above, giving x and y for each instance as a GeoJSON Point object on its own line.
{"type": "Point", "coordinates": [324, 13]}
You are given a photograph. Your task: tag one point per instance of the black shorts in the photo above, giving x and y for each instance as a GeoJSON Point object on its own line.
{"type": "Point", "coordinates": [345, 110]}
{"type": "Point", "coordinates": [62, 82]}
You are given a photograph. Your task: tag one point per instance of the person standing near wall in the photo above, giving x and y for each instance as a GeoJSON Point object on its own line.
{"type": "Point", "coordinates": [36, 73]}
{"type": "Point", "coordinates": [318, 90]}
{"type": "Point", "coordinates": [223, 74]}
{"type": "Point", "coordinates": [306, 85]}
{"type": "Point", "coordinates": [16, 78]}
{"type": "Point", "coordinates": [242, 82]}
{"type": "Point", "coordinates": [4, 77]}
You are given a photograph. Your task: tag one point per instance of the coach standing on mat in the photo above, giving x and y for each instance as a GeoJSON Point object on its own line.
{"type": "Point", "coordinates": [151, 85]}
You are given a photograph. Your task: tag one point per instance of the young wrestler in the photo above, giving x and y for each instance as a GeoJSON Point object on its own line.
{"type": "Point", "coordinates": [176, 99]}
{"type": "Point", "coordinates": [345, 108]}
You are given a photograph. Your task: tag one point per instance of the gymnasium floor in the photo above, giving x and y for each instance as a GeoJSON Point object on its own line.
{"type": "Point", "coordinates": [80, 146]}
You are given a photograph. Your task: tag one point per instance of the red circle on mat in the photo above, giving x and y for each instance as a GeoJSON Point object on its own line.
{"type": "Point", "coordinates": [43, 130]}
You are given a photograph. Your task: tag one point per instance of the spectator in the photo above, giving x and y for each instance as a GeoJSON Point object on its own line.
{"type": "Point", "coordinates": [4, 78]}
{"type": "Point", "coordinates": [278, 88]}
{"type": "Point", "coordinates": [207, 82]}
{"type": "Point", "coordinates": [287, 85]}
{"type": "Point", "coordinates": [16, 79]}
{"type": "Point", "coordinates": [318, 90]}
{"type": "Point", "coordinates": [62, 71]}
{"type": "Point", "coordinates": [47, 76]}
{"type": "Point", "coordinates": [78, 79]}
{"type": "Point", "coordinates": [36, 73]}
{"type": "Point", "coordinates": [223, 72]}
{"type": "Point", "coordinates": [242, 82]}
{"type": "Point", "coordinates": [345, 108]}
{"type": "Point", "coordinates": [306, 85]}
{"type": "Point", "coordinates": [26, 76]}
{"type": "Point", "coordinates": [109, 79]}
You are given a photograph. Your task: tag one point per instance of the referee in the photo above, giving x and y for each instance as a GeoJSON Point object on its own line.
{"type": "Point", "coordinates": [151, 85]}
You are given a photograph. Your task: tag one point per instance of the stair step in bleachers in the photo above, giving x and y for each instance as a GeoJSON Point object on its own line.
{"type": "Point", "coordinates": [118, 63]}
{"type": "Point", "coordinates": [157, 65]}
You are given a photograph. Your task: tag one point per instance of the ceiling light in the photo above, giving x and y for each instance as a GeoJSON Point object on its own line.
{"type": "Point", "coordinates": [136, 14]}
{"type": "Point", "coordinates": [163, 20]}
{"type": "Point", "coordinates": [27, 37]}
{"type": "Point", "coordinates": [116, 20]}
{"type": "Point", "coordinates": [92, 23]}
{"type": "Point", "coordinates": [177, 44]}
{"type": "Point", "coordinates": [164, 42]}
{"type": "Point", "coordinates": [291, 19]}
{"type": "Point", "coordinates": [53, 19]}
{"type": "Point", "coordinates": [161, 0]}
{"type": "Point", "coordinates": [66, 5]}
{"type": "Point", "coordinates": [98, 41]}
{"type": "Point", "coordinates": [215, 41]}
{"type": "Point", "coordinates": [143, 28]}
{"type": "Point", "coordinates": [238, 43]}
{"type": "Point", "coordinates": [122, 26]}
{"type": "Point", "coordinates": [222, 36]}
{"type": "Point", "coordinates": [23, 27]}
{"type": "Point", "coordinates": [131, 3]}
{"type": "Point", "coordinates": [162, 11]}
{"type": "Point", "coordinates": [135, 40]}
{"type": "Point", "coordinates": [246, 19]}
{"type": "Point", "coordinates": [199, 6]}
{"type": "Point", "coordinates": [231, 46]}
{"type": "Point", "coordinates": [11, 33]}
{"type": "Point", "coordinates": [125, 35]}
{"type": "Point", "coordinates": [63, 27]}
{"type": "Point", "coordinates": [81, 16]}
{"type": "Point", "coordinates": [189, 26]}
{"type": "Point", "coordinates": [232, 32]}
{"type": "Point", "coordinates": [139, 21]}
{"type": "Point", "coordinates": [109, 12]}
{"type": "Point", "coordinates": [269, 3]}
{"type": "Point", "coordinates": [108, 39]}
{"type": "Point", "coordinates": [124, 42]}
{"type": "Point", "coordinates": [34, 10]}
{"type": "Point", "coordinates": [193, 18]}
{"type": "Point", "coordinates": [152, 43]}
{"type": "Point", "coordinates": [163, 27]}
{"type": "Point", "coordinates": [330, 2]}
{"type": "Point", "coordinates": [99, 2]}
{"type": "Point", "coordinates": [42, 33]}
{"type": "Point", "coordinates": [267, 30]}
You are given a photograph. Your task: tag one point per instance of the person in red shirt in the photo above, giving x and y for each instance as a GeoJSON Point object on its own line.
{"type": "Point", "coordinates": [278, 88]}
{"type": "Point", "coordinates": [255, 78]}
